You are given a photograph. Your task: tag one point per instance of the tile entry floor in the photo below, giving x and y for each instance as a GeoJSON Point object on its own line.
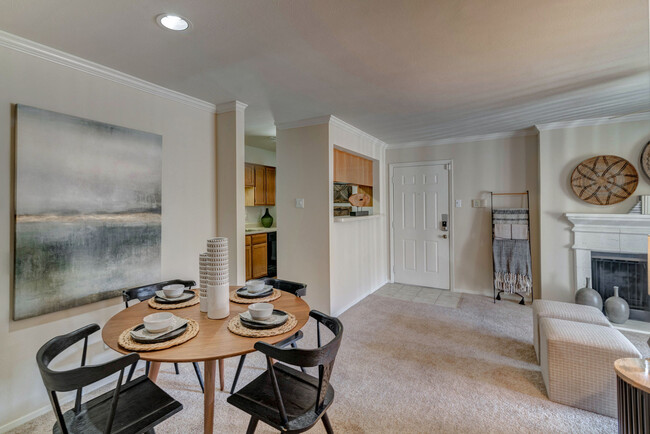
{"type": "Point", "coordinates": [420, 294]}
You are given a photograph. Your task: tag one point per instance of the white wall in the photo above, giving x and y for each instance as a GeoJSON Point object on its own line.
{"type": "Point", "coordinates": [260, 156]}
{"type": "Point", "coordinates": [359, 255]}
{"type": "Point", "coordinates": [304, 160]}
{"type": "Point", "coordinates": [499, 165]}
{"type": "Point", "coordinates": [561, 150]}
{"type": "Point", "coordinates": [188, 204]}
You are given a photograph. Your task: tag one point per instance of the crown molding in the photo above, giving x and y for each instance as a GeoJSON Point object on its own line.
{"type": "Point", "coordinates": [53, 55]}
{"type": "Point", "coordinates": [303, 123]}
{"type": "Point", "coordinates": [643, 116]}
{"type": "Point", "coordinates": [230, 106]}
{"type": "Point", "coordinates": [466, 139]}
{"type": "Point", "coordinates": [354, 130]}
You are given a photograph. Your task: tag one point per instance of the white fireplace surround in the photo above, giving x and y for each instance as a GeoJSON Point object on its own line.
{"type": "Point", "coordinates": [618, 233]}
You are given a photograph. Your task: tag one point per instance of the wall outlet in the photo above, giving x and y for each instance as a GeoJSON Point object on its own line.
{"type": "Point", "coordinates": [459, 203]}
{"type": "Point", "coordinates": [300, 203]}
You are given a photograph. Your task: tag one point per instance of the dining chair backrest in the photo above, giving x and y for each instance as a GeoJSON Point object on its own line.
{"type": "Point", "coordinates": [295, 288]}
{"type": "Point", "coordinates": [145, 292]}
{"type": "Point", "coordinates": [323, 357]}
{"type": "Point", "coordinates": [77, 378]}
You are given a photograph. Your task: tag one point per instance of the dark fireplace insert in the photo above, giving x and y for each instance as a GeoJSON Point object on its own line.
{"type": "Point", "coordinates": [628, 271]}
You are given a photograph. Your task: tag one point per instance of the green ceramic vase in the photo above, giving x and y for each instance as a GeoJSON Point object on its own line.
{"type": "Point", "coordinates": [267, 219]}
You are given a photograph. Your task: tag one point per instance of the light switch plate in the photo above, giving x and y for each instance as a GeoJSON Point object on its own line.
{"type": "Point", "coordinates": [300, 203]}
{"type": "Point", "coordinates": [476, 203]}
{"type": "Point", "coordinates": [459, 203]}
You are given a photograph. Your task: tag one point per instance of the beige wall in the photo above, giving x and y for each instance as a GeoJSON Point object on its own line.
{"type": "Point", "coordinates": [359, 248]}
{"type": "Point", "coordinates": [561, 150]}
{"type": "Point", "coordinates": [188, 204]}
{"type": "Point", "coordinates": [260, 156]}
{"type": "Point", "coordinates": [500, 165]}
{"type": "Point", "coordinates": [304, 233]}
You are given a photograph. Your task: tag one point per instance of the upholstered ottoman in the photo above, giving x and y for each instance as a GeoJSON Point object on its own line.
{"type": "Point", "coordinates": [577, 361]}
{"type": "Point", "coordinates": [567, 311]}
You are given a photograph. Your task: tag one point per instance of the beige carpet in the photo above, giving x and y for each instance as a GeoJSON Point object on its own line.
{"type": "Point", "coordinates": [416, 368]}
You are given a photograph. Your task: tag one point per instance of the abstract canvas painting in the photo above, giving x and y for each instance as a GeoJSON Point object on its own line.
{"type": "Point", "coordinates": [88, 211]}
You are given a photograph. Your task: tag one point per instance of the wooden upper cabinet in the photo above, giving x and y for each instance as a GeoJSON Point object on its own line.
{"type": "Point", "coordinates": [260, 185]}
{"type": "Point", "coordinates": [249, 175]}
{"type": "Point", "coordinates": [270, 185]}
{"type": "Point", "coordinates": [352, 169]}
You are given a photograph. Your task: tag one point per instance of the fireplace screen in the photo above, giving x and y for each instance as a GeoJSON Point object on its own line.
{"type": "Point", "coordinates": [627, 271]}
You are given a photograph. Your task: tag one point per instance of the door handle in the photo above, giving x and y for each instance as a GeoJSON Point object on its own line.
{"type": "Point", "coordinates": [444, 236]}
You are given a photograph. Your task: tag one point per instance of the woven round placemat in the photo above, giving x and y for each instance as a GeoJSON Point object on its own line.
{"type": "Point", "coordinates": [161, 306]}
{"type": "Point", "coordinates": [645, 160]}
{"type": "Point", "coordinates": [128, 343]}
{"type": "Point", "coordinates": [237, 299]}
{"type": "Point", "coordinates": [604, 180]}
{"type": "Point", "coordinates": [235, 326]}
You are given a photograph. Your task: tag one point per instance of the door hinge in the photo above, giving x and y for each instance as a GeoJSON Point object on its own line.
{"type": "Point", "coordinates": [447, 166]}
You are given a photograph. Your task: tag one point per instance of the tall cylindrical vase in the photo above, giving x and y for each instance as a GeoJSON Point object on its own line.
{"type": "Point", "coordinates": [218, 301]}
{"type": "Point", "coordinates": [218, 296]}
{"type": "Point", "coordinates": [204, 269]}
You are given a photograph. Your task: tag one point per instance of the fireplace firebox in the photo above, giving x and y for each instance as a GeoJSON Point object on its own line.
{"type": "Point", "coordinates": [628, 271]}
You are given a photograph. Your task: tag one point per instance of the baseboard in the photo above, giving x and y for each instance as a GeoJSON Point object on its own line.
{"type": "Point", "coordinates": [357, 300]}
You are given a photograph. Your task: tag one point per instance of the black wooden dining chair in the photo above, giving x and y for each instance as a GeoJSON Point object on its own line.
{"type": "Point", "coordinates": [144, 293]}
{"type": "Point", "coordinates": [295, 288]}
{"type": "Point", "coordinates": [134, 407]}
{"type": "Point", "coordinates": [285, 398]}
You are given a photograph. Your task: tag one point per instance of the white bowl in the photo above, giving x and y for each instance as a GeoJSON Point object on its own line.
{"type": "Point", "coordinates": [158, 322]}
{"type": "Point", "coordinates": [260, 311]}
{"type": "Point", "coordinates": [254, 286]}
{"type": "Point", "coordinates": [173, 291]}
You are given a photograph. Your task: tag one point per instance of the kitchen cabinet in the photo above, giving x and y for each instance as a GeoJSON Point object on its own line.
{"type": "Point", "coordinates": [260, 185]}
{"type": "Point", "coordinates": [352, 169]}
{"type": "Point", "coordinates": [249, 259]}
{"type": "Point", "coordinates": [249, 175]}
{"type": "Point", "coordinates": [258, 255]}
{"type": "Point", "coordinates": [269, 173]}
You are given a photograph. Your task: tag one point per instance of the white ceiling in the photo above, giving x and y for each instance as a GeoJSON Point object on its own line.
{"type": "Point", "coordinates": [404, 71]}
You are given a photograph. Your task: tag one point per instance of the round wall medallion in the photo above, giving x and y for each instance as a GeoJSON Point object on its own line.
{"type": "Point", "coordinates": [604, 180]}
{"type": "Point", "coordinates": [645, 160]}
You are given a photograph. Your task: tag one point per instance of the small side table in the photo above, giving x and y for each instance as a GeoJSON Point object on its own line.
{"type": "Point", "coordinates": [633, 386]}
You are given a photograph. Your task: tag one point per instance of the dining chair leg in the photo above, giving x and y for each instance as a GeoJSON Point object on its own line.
{"type": "Point", "coordinates": [198, 375]}
{"type": "Point", "coordinates": [239, 366]}
{"type": "Point", "coordinates": [176, 368]}
{"type": "Point", "coordinates": [131, 371]}
{"type": "Point", "coordinates": [328, 425]}
{"type": "Point", "coordinates": [252, 425]}
{"type": "Point", "coordinates": [147, 365]}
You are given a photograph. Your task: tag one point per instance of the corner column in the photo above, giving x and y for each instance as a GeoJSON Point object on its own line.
{"type": "Point", "coordinates": [231, 208]}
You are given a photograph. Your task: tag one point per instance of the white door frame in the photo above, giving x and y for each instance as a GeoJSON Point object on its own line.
{"type": "Point", "coordinates": [450, 165]}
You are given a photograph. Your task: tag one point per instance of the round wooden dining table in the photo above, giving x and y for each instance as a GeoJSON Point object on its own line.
{"type": "Point", "coordinates": [213, 343]}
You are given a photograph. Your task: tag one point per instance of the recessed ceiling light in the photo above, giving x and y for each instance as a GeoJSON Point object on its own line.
{"type": "Point", "coordinates": [173, 22]}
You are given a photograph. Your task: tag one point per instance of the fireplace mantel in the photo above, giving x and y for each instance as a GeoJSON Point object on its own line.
{"type": "Point", "coordinates": [619, 233]}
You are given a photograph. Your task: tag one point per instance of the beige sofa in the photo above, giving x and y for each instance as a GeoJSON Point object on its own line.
{"type": "Point", "coordinates": [577, 357]}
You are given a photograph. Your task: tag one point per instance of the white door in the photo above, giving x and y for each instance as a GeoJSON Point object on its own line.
{"type": "Point", "coordinates": [421, 243]}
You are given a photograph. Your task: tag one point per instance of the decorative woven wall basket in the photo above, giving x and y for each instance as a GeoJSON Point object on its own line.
{"type": "Point", "coordinates": [604, 180]}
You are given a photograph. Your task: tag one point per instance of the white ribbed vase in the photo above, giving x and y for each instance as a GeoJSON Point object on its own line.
{"type": "Point", "coordinates": [218, 301]}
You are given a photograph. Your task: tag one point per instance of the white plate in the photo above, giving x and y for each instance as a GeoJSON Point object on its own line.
{"type": "Point", "coordinates": [184, 296]}
{"type": "Point", "coordinates": [245, 291]}
{"type": "Point", "coordinates": [275, 318]}
{"type": "Point", "coordinates": [145, 335]}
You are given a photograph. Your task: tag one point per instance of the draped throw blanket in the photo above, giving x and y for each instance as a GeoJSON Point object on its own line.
{"type": "Point", "coordinates": [511, 251]}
